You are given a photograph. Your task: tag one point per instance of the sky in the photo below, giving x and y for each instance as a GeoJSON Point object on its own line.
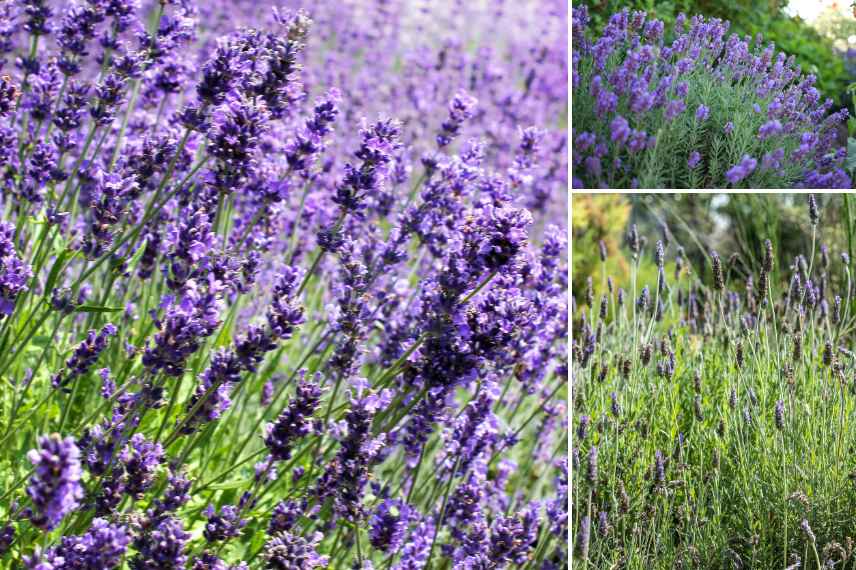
{"type": "Point", "coordinates": [808, 10]}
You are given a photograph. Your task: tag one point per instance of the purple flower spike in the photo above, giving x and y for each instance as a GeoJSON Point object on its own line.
{"type": "Point", "coordinates": [295, 421]}
{"type": "Point", "coordinates": [694, 159]}
{"type": "Point", "coordinates": [54, 487]}
{"type": "Point", "coordinates": [620, 129]}
{"type": "Point", "coordinates": [163, 547]}
{"type": "Point", "coordinates": [741, 170]}
{"type": "Point", "coordinates": [388, 525]}
{"type": "Point", "coordinates": [461, 108]}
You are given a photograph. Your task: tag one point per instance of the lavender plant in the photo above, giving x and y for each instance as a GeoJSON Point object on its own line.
{"type": "Point", "coordinates": [712, 425]}
{"type": "Point", "coordinates": [704, 110]}
{"type": "Point", "coordinates": [281, 287]}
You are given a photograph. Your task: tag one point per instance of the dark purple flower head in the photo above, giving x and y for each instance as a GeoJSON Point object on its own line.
{"type": "Point", "coordinates": [85, 355]}
{"type": "Point", "coordinates": [177, 494]}
{"type": "Point", "coordinates": [162, 547]}
{"type": "Point", "coordinates": [287, 551]}
{"type": "Point", "coordinates": [109, 94]}
{"type": "Point", "coordinates": [7, 537]}
{"type": "Point", "coordinates": [294, 422]}
{"type": "Point", "coordinates": [14, 273]}
{"type": "Point", "coordinates": [233, 138]}
{"type": "Point", "coordinates": [278, 85]}
{"type": "Point", "coordinates": [346, 476]}
{"type": "Point", "coordinates": [285, 312]}
{"type": "Point", "coordinates": [103, 546]}
{"type": "Point", "coordinates": [388, 525]}
{"type": "Point", "coordinates": [379, 141]}
{"type": "Point", "coordinates": [308, 141]}
{"type": "Point", "coordinates": [285, 514]}
{"type": "Point", "coordinates": [108, 201]}
{"type": "Point", "coordinates": [140, 459]}
{"type": "Point", "coordinates": [38, 13]}
{"type": "Point", "coordinates": [223, 525]}
{"type": "Point", "coordinates": [461, 108]}
{"type": "Point", "coordinates": [213, 390]}
{"type": "Point", "coordinates": [182, 329]}
{"type": "Point", "coordinates": [54, 487]}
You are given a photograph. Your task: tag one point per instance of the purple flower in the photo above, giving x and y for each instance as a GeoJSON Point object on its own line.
{"type": "Point", "coordinates": [213, 390]}
{"type": "Point", "coordinates": [346, 475]}
{"type": "Point", "coordinates": [140, 459]}
{"type": "Point", "coordinates": [54, 487]}
{"type": "Point", "coordinates": [415, 551]}
{"type": "Point", "coordinates": [379, 141]}
{"type": "Point", "coordinates": [620, 129]}
{"type": "Point", "coordinates": [236, 128]}
{"type": "Point", "coordinates": [702, 113]}
{"type": "Point", "coordinates": [674, 108]}
{"type": "Point", "coordinates": [85, 355]}
{"type": "Point", "coordinates": [7, 537]}
{"type": "Point", "coordinates": [162, 547]}
{"type": "Point", "coordinates": [14, 273]}
{"type": "Point", "coordinates": [102, 547]}
{"type": "Point", "coordinates": [182, 329]}
{"type": "Point", "coordinates": [285, 312]}
{"type": "Point", "coordinates": [285, 514]}
{"type": "Point", "coordinates": [309, 140]}
{"type": "Point", "coordinates": [461, 108]}
{"type": "Point", "coordinates": [223, 526]}
{"type": "Point", "coordinates": [694, 159]}
{"type": "Point", "coordinates": [289, 551]}
{"type": "Point", "coordinates": [741, 170]}
{"type": "Point", "coordinates": [769, 129]}
{"type": "Point", "coordinates": [388, 524]}
{"type": "Point", "coordinates": [294, 422]}
{"type": "Point", "coordinates": [729, 128]}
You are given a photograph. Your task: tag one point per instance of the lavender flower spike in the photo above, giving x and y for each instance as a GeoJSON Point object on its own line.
{"type": "Point", "coordinates": [54, 487]}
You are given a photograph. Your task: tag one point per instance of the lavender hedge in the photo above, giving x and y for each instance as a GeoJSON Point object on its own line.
{"type": "Point", "coordinates": [283, 287]}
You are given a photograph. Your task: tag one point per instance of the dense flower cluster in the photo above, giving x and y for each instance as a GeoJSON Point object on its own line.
{"type": "Point", "coordinates": [642, 105]}
{"type": "Point", "coordinates": [284, 279]}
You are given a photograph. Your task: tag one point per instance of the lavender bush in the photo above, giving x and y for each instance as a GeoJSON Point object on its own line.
{"type": "Point", "coordinates": [704, 110]}
{"type": "Point", "coordinates": [714, 403]}
{"type": "Point", "coordinates": [283, 286]}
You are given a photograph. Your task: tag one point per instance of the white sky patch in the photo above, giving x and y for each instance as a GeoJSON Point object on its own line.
{"type": "Point", "coordinates": [808, 10]}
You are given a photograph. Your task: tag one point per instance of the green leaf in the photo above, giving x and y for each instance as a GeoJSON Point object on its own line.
{"type": "Point", "coordinates": [97, 309]}
{"type": "Point", "coordinates": [850, 163]}
{"type": "Point", "coordinates": [58, 265]}
{"type": "Point", "coordinates": [135, 259]}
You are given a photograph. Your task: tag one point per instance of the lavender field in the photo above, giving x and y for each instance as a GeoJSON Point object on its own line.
{"type": "Point", "coordinates": [283, 285]}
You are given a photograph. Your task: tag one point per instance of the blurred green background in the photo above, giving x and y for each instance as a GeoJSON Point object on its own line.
{"type": "Point", "coordinates": [820, 48]}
